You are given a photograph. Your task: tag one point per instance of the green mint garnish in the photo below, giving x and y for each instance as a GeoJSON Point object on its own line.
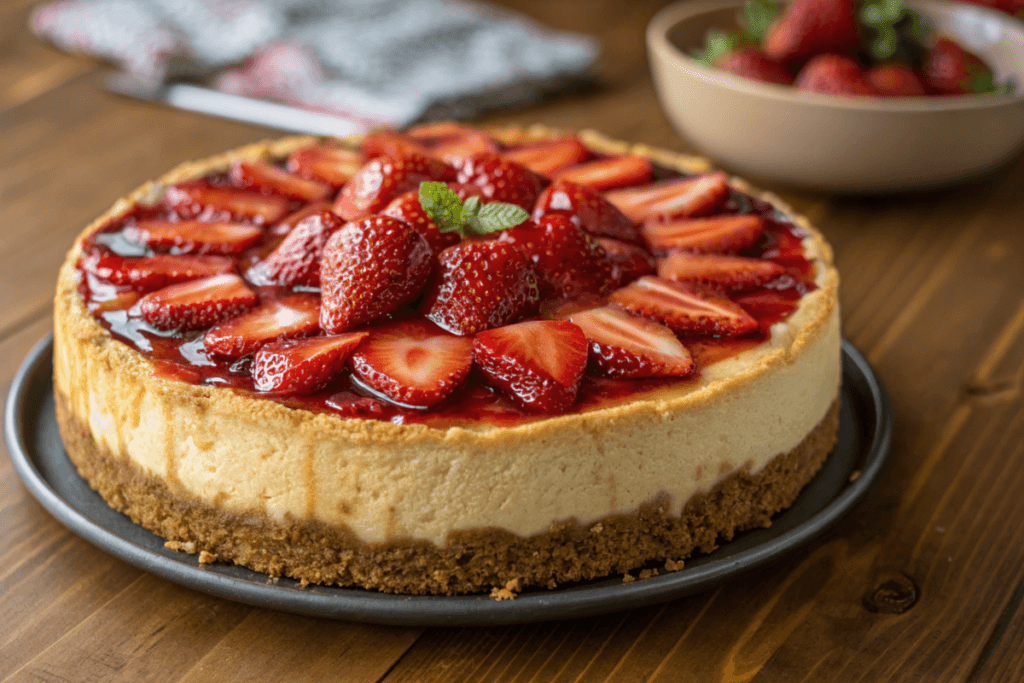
{"type": "Point", "coordinates": [450, 214]}
{"type": "Point", "coordinates": [716, 44]}
{"type": "Point", "coordinates": [757, 16]}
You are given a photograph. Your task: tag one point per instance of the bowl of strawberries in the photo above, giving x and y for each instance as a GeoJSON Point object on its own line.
{"type": "Point", "coordinates": [845, 96]}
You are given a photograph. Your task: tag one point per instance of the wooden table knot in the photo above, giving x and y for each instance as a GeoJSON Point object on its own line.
{"type": "Point", "coordinates": [893, 593]}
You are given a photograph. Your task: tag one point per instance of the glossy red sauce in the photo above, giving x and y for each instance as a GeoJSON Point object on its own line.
{"type": "Point", "coordinates": [181, 356]}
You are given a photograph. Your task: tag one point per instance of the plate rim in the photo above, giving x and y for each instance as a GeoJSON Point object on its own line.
{"type": "Point", "coordinates": [358, 604]}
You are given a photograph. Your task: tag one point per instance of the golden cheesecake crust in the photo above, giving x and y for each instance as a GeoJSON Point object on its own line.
{"type": "Point", "coordinates": [371, 484]}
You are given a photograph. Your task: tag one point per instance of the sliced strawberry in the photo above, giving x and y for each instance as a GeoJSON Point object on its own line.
{"type": "Point", "coordinates": [296, 261]}
{"type": "Point", "coordinates": [198, 199]}
{"type": "Point", "coordinates": [623, 345]}
{"type": "Point", "coordinates": [285, 318]}
{"type": "Point", "coordinates": [895, 80]}
{"type": "Point", "coordinates": [755, 64]}
{"type": "Point", "coordinates": [697, 196]}
{"type": "Point", "coordinates": [383, 179]}
{"type": "Point", "coordinates": [330, 165]}
{"type": "Point", "coordinates": [481, 285]}
{"type": "Point", "coordinates": [834, 75]}
{"type": "Point", "coordinates": [390, 143]}
{"type": "Point", "coordinates": [717, 234]}
{"type": "Point", "coordinates": [606, 174]}
{"type": "Point", "coordinates": [408, 208]}
{"type": "Point", "coordinates": [501, 180]}
{"type": "Point", "coordinates": [568, 261]}
{"type": "Point", "coordinates": [413, 362]}
{"type": "Point", "coordinates": [198, 303]}
{"type": "Point", "coordinates": [153, 272]}
{"type": "Point", "coordinates": [811, 27]}
{"type": "Point", "coordinates": [302, 366]}
{"type": "Point", "coordinates": [370, 269]}
{"type": "Point", "coordinates": [288, 223]}
{"type": "Point", "coordinates": [628, 260]}
{"type": "Point", "coordinates": [453, 142]}
{"type": "Point", "coordinates": [538, 364]}
{"type": "Point", "coordinates": [769, 304]}
{"type": "Point", "coordinates": [266, 177]}
{"type": "Point", "coordinates": [685, 308]}
{"type": "Point", "coordinates": [588, 209]}
{"type": "Point", "coordinates": [733, 273]}
{"type": "Point", "coordinates": [550, 156]}
{"type": "Point", "coordinates": [194, 237]}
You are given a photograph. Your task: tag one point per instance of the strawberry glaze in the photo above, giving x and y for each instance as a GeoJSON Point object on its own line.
{"type": "Point", "coordinates": [182, 356]}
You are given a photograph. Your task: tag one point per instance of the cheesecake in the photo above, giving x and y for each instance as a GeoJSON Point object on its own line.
{"type": "Point", "coordinates": [448, 360]}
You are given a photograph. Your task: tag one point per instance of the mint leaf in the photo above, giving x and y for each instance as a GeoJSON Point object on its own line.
{"type": "Point", "coordinates": [757, 16]}
{"type": "Point", "coordinates": [498, 216]}
{"type": "Point", "coordinates": [443, 206]}
{"type": "Point", "coordinates": [716, 44]}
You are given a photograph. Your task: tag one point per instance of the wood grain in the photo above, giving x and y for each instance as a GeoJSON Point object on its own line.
{"type": "Point", "coordinates": [924, 581]}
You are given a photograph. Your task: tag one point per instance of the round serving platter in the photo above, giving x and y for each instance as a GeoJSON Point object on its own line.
{"type": "Point", "coordinates": [865, 433]}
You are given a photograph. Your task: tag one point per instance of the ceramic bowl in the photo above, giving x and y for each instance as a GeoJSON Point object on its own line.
{"type": "Point", "coordinates": [778, 134]}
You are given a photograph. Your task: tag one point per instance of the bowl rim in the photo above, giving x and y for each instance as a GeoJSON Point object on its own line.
{"type": "Point", "coordinates": [660, 47]}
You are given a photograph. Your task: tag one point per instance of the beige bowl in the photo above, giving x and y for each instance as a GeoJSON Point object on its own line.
{"type": "Point", "coordinates": [841, 144]}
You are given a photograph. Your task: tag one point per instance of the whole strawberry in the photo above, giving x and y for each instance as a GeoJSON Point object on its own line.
{"type": "Point", "coordinates": [383, 179]}
{"type": "Point", "coordinates": [371, 268]}
{"type": "Point", "coordinates": [952, 70]}
{"type": "Point", "coordinates": [834, 75]}
{"type": "Point", "coordinates": [408, 208]}
{"type": "Point", "coordinates": [501, 180]}
{"type": "Point", "coordinates": [812, 27]}
{"type": "Point", "coordinates": [587, 209]}
{"type": "Point", "coordinates": [568, 261]}
{"type": "Point", "coordinates": [895, 80]}
{"type": "Point", "coordinates": [751, 63]}
{"type": "Point", "coordinates": [481, 285]}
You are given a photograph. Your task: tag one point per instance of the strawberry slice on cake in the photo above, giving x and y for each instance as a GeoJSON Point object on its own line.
{"type": "Point", "coordinates": [685, 308]}
{"type": "Point", "coordinates": [624, 345]}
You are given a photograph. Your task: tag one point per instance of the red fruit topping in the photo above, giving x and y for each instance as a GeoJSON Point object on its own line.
{"type": "Point", "coordinates": [697, 196]}
{"type": "Point", "coordinates": [605, 174]}
{"type": "Point", "coordinates": [717, 234]}
{"type": "Point", "coordinates": [266, 177]}
{"type": "Point", "coordinates": [194, 237]}
{"type": "Point", "coordinates": [834, 75]}
{"type": "Point", "coordinates": [331, 165]}
{"type": "Point", "coordinates": [288, 223]}
{"type": "Point", "coordinates": [408, 208]}
{"type": "Point", "coordinates": [538, 364]}
{"type": "Point", "coordinates": [952, 70]}
{"type": "Point", "coordinates": [286, 318]}
{"type": "Point", "coordinates": [755, 64]}
{"type": "Point", "coordinates": [481, 285]}
{"type": "Point", "coordinates": [770, 304]}
{"type": "Point", "coordinates": [550, 156]}
{"type": "Point", "coordinates": [501, 180]}
{"type": "Point", "coordinates": [452, 142]}
{"type": "Point", "coordinates": [733, 273]}
{"type": "Point", "coordinates": [198, 199]}
{"type": "Point", "coordinates": [198, 303]}
{"type": "Point", "coordinates": [153, 272]}
{"type": "Point", "coordinates": [371, 268]}
{"type": "Point", "coordinates": [685, 308]}
{"type": "Point", "coordinates": [587, 209]}
{"type": "Point", "coordinates": [893, 80]}
{"type": "Point", "coordinates": [392, 144]}
{"type": "Point", "coordinates": [623, 345]}
{"type": "Point", "coordinates": [413, 362]}
{"type": "Point", "coordinates": [811, 27]}
{"type": "Point", "coordinates": [302, 366]}
{"type": "Point", "coordinates": [628, 261]}
{"type": "Point", "coordinates": [568, 261]}
{"type": "Point", "coordinates": [385, 178]}
{"type": "Point", "coordinates": [296, 261]}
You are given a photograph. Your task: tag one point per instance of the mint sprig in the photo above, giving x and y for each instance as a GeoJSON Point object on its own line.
{"type": "Point", "coordinates": [451, 214]}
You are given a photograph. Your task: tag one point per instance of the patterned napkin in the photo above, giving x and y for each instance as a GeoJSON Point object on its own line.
{"type": "Point", "coordinates": [384, 62]}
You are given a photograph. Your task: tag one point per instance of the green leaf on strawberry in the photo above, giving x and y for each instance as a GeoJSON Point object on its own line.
{"type": "Point", "coordinates": [757, 16]}
{"type": "Point", "coordinates": [716, 44]}
{"type": "Point", "coordinates": [451, 214]}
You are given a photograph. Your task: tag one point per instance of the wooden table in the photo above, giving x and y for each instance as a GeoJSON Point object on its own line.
{"type": "Point", "coordinates": [932, 293]}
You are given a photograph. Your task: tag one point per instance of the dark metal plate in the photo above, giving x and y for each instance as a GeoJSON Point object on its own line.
{"type": "Point", "coordinates": [865, 433]}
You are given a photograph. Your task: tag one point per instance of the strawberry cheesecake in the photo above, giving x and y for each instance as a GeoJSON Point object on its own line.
{"type": "Point", "coordinates": [448, 360]}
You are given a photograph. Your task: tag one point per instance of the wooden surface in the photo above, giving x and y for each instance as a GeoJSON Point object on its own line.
{"type": "Point", "coordinates": [932, 293]}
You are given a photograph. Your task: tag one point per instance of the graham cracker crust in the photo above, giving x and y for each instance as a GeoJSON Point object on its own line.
{"type": "Point", "coordinates": [476, 560]}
